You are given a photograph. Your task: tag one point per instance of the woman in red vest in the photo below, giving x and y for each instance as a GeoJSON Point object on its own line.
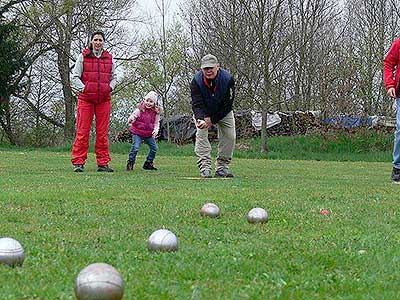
{"type": "Point", "coordinates": [94, 78]}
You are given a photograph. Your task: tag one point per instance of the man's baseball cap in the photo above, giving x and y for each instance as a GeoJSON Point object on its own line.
{"type": "Point", "coordinates": [208, 61]}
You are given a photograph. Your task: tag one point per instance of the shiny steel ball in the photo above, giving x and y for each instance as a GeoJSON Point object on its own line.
{"type": "Point", "coordinates": [210, 210]}
{"type": "Point", "coordinates": [162, 240]}
{"type": "Point", "coordinates": [99, 281]}
{"type": "Point", "coordinates": [257, 215]}
{"type": "Point", "coordinates": [11, 252]}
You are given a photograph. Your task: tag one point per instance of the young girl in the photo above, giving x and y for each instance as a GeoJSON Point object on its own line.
{"type": "Point", "coordinates": [144, 125]}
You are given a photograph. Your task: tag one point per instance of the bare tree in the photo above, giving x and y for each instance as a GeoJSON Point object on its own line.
{"type": "Point", "coordinates": [65, 26]}
{"type": "Point", "coordinates": [162, 64]}
{"type": "Point", "coordinates": [372, 26]}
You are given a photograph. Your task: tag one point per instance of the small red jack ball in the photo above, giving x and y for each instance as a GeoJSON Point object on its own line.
{"type": "Point", "coordinates": [324, 212]}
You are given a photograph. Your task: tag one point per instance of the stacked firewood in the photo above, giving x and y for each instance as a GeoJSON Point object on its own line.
{"type": "Point", "coordinates": [183, 130]}
{"type": "Point", "coordinates": [296, 123]}
{"type": "Point", "coordinates": [243, 125]}
{"type": "Point", "coordinates": [123, 136]}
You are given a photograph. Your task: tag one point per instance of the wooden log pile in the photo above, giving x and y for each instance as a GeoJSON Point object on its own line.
{"type": "Point", "coordinates": [123, 136]}
{"type": "Point", "coordinates": [243, 125]}
{"type": "Point", "coordinates": [297, 123]}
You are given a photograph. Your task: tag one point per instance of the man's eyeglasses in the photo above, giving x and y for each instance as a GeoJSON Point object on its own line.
{"type": "Point", "coordinates": [208, 68]}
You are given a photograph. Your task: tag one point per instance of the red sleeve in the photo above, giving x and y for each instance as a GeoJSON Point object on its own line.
{"type": "Point", "coordinates": [390, 63]}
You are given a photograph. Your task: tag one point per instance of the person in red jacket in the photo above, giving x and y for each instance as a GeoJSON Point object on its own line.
{"type": "Point", "coordinates": [391, 78]}
{"type": "Point", "coordinates": [144, 125]}
{"type": "Point", "coordinates": [94, 78]}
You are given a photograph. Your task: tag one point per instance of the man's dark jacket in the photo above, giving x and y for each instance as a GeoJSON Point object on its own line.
{"type": "Point", "coordinates": [216, 101]}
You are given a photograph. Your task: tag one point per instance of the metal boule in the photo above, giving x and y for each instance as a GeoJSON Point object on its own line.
{"type": "Point", "coordinates": [99, 281]}
{"type": "Point", "coordinates": [162, 240]}
{"type": "Point", "coordinates": [210, 210]}
{"type": "Point", "coordinates": [11, 252]}
{"type": "Point", "coordinates": [257, 215]}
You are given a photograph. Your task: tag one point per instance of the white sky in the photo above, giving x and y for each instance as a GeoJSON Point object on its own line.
{"type": "Point", "coordinates": [149, 7]}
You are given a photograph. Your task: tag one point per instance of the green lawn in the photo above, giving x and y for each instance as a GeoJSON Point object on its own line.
{"type": "Point", "coordinates": [67, 220]}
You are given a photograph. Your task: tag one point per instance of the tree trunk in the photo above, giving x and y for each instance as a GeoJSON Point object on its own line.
{"type": "Point", "coordinates": [5, 118]}
{"type": "Point", "coordinates": [166, 114]}
{"type": "Point", "coordinates": [264, 146]}
{"type": "Point", "coordinates": [164, 69]}
{"type": "Point", "coordinates": [69, 99]}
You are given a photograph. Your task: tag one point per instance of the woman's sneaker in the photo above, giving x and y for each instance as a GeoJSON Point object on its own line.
{"type": "Point", "coordinates": [79, 168]}
{"type": "Point", "coordinates": [104, 168]}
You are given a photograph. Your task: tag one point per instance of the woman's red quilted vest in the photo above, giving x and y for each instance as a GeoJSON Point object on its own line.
{"type": "Point", "coordinates": [96, 77]}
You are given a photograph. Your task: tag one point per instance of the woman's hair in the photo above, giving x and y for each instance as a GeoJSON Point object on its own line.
{"type": "Point", "coordinates": [99, 33]}
{"type": "Point", "coordinates": [92, 36]}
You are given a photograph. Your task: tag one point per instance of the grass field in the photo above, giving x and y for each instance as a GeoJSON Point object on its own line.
{"type": "Point", "coordinates": [67, 220]}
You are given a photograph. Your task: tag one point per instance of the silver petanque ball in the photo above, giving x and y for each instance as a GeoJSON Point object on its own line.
{"type": "Point", "coordinates": [257, 215]}
{"type": "Point", "coordinates": [11, 252]}
{"type": "Point", "coordinates": [162, 240]}
{"type": "Point", "coordinates": [210, 210]}
{"type": "Point", "coordinates": [99, 281]}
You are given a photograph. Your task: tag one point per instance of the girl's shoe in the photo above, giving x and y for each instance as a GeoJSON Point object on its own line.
{"type": "Point", "coordinates": [130, 165]}
{"type": "Point", "coordinates": [149, 166]}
